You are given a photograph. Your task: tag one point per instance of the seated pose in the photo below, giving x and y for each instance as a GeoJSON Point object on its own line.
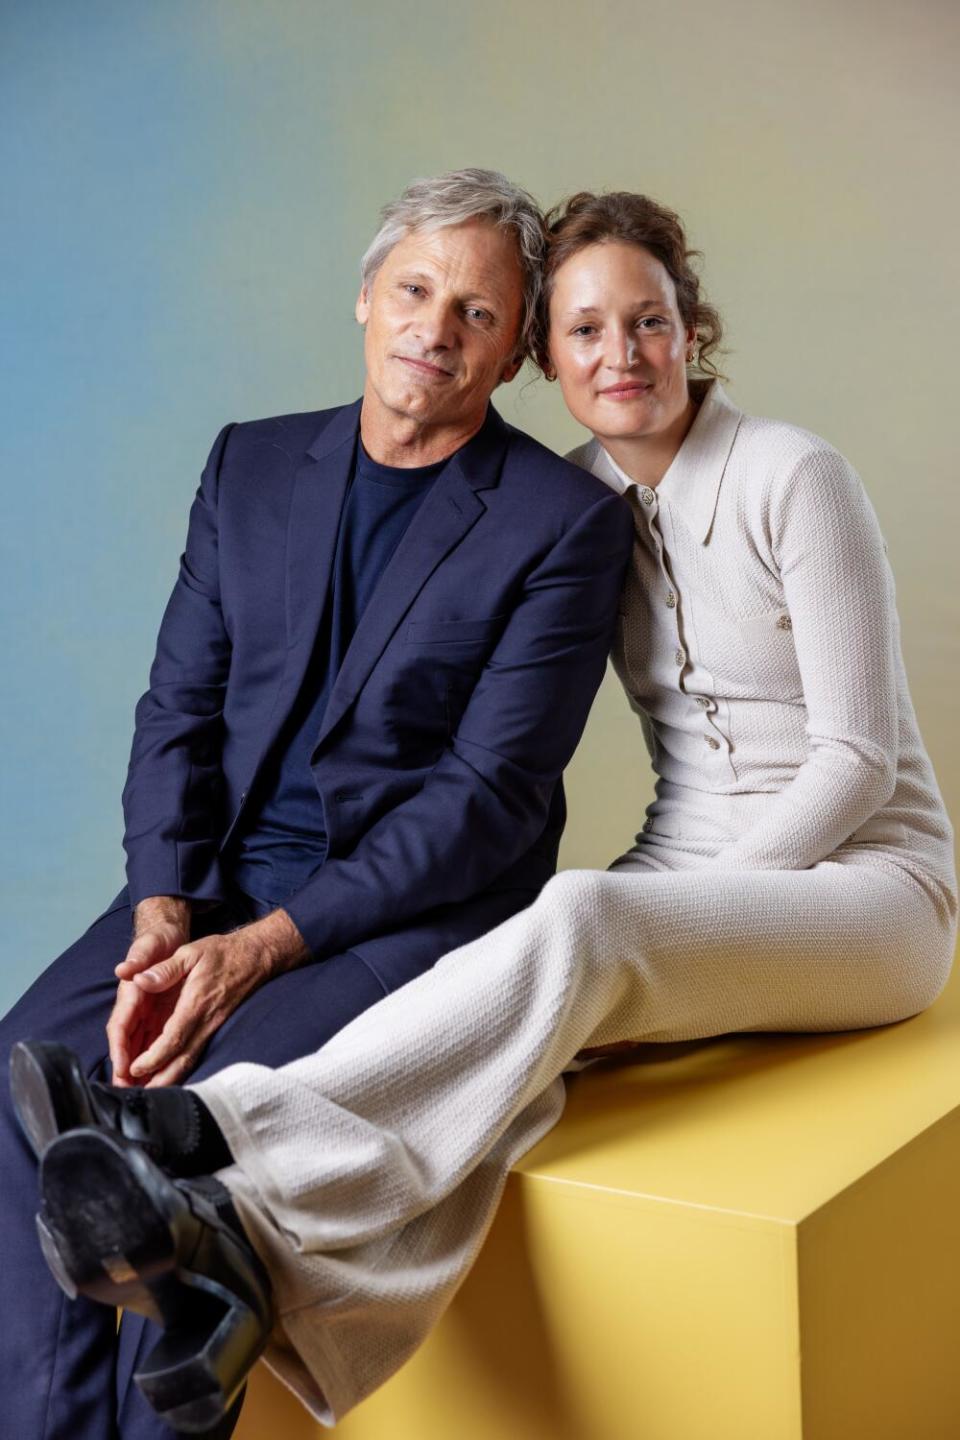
{"type": "Point", "coordinates": [794, 872]}
{"type": "Point", "coordinates": [389, 625]}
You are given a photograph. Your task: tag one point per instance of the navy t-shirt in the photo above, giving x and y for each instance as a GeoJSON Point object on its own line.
{"type": "Point", "coordinates": [284, 841]}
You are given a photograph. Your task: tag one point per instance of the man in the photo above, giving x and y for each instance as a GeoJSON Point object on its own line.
{"type": "Point", "coordinates": [390, 622]}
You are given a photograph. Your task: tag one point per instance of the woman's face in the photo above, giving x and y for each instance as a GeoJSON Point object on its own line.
{"type": "Point", "coordinates": [617, 342]}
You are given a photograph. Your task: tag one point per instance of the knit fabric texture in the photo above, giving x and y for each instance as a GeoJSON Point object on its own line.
{"type": "Point", "coordinates": [759, 643]}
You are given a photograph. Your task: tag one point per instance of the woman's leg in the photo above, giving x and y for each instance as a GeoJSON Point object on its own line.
{"type": "Point", "coordinates": [369, 1173]}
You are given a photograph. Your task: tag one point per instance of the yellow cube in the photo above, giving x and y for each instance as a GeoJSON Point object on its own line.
{"type": "Point", "coordinates": [755, 1237]}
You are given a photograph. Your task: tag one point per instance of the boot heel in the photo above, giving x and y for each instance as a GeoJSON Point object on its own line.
{"type": "Point", "coordinates": [191, 1378]}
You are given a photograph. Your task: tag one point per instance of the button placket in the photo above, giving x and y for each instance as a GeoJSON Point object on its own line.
{"type": "Point", "coordinates": [671, 601]}
{"type": "Point", "coordinates": [716, 742]}
{"type": "Point", "coordinates": [658, 524]}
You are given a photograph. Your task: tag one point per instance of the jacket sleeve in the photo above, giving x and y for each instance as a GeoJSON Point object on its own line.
{"type": "Point", "coordinates": [839, 592]}
{"type": "Point", "coordinates": [171, 799]}
{"type": "Point", "coordinates": [487, 799]}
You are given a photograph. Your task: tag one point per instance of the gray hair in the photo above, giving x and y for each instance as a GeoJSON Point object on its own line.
{"type": "Point", "coordinates": [453, 199]}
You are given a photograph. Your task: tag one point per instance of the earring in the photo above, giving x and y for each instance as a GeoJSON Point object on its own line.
{"type": "Point", "coordinates": [691, 356]}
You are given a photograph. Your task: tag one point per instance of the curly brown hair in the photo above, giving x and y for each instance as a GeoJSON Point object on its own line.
{"type": "Point", "coordinates": [588, 219]}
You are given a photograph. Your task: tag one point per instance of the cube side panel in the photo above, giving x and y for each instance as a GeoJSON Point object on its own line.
{"type": "Point", "coordinates": [879, 1296]}
{"type": "Point", "coordinates": [592, 1315]}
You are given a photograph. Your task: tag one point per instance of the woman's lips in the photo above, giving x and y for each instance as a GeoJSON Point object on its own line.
{"type": "Point", "coordinates": [628, 391]}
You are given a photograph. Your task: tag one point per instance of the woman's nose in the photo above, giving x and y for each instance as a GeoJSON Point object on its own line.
{"type": "Point", "coordinates": [621, 350]}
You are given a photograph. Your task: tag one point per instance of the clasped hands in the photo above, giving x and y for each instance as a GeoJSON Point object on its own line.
{"type": "Point", "coordinates": [174, 992]}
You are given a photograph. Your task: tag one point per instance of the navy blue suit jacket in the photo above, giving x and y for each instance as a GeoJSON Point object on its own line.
{"type": "Point", "coordinates": [461, 698]}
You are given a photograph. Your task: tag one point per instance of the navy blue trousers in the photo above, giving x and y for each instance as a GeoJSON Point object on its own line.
{"type": "Point", "coordinates": [65, 1372]}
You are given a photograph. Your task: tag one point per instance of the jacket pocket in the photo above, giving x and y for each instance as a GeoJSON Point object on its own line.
{"type": "Point", "coordinates": [770, 654]}
{"type": "Point", "coordinates": [453, 632]}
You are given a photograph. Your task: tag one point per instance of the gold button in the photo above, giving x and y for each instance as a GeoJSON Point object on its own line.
{"type": "Point", "coordinates": [646, 495]}
{"type": "Point", "coordinates": [714, 744]}
{"type": "Point", "coordinates": [784, 622]}
{"type": "Point", "coordinates": [679, 656]}
{"type": "Point", "coordinates": [671, 599]}
{"type": "Point", "coordinates": [703, 702]}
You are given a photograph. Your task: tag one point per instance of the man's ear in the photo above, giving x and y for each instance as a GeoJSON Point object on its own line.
{"type": "Point", "coordinates": [511, 369]}
{"type": "Point", "coordinates": [362, 308]}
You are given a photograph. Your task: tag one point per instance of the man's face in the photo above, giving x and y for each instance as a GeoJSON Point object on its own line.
{"type": "Point", "coordinates": [442, 318]}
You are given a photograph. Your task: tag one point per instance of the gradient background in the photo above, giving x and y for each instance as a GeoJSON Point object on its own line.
{"type": "Point", "coordinates": [187, 187]}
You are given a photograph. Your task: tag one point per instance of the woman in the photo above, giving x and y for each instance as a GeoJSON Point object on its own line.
{"type": "Point", "coordinates": [794, 871]}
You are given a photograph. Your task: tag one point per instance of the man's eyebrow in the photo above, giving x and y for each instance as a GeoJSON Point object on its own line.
{"type": "Point", "coordinates": [477, 297]}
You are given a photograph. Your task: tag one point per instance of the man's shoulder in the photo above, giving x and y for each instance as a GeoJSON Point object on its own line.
{"type": "Point", "coordinates": [292, 433]}
{"type": "Point", "coordinates": [552, 477]}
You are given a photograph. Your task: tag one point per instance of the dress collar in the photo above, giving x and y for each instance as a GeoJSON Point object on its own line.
{"type": "Point", "coordinates": [692, 482]}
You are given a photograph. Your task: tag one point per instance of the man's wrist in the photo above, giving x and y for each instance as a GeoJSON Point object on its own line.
{"type": "Point", "coordinates": [156, 910]}
{"type": "Point", "coordinates": [279, 943]}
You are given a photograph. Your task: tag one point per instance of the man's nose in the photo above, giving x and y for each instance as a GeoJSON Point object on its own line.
{"type": "Point", "coordinates": [436, 326]}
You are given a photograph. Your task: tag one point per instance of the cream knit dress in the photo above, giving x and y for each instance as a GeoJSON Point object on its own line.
{"type": "Point", "coordinates": [795, 872]}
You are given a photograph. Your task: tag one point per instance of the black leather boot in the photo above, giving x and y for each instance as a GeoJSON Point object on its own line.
{"type": "Point", "coordinates": [117, 1229]}
{"type": "Point", "coordinates": [51, 1095]}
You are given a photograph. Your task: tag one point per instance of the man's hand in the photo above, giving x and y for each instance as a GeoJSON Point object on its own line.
{"type": "Point", "coordinates": [200, 985]}
{"type": "Point", "coordinates": [161, 924]}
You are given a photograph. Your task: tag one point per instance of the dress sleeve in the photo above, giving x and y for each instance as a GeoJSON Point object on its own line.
{"type": "Point", "coordinates": [838, 588]}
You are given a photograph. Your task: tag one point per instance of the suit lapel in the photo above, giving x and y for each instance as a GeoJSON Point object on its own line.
{"type": "Point", "coordinates": [450, 510]}
{"type": "Point", "coordinates": [445, 516]}
{"type": "Point", "coordinates": [315, 506]}
{"type": "Point", "coordinates": [319, 487]}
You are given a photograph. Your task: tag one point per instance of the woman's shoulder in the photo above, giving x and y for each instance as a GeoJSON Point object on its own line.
{"type": "Point", "coordinates": [777, 462]}
{"type": "Point", "coordinates": [789, 481]}
{"type": "Point", "coordinates": [780, 444]}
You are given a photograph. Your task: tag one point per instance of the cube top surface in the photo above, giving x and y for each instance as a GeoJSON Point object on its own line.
{"type": "Point", "coordinates": [769, 1127]}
